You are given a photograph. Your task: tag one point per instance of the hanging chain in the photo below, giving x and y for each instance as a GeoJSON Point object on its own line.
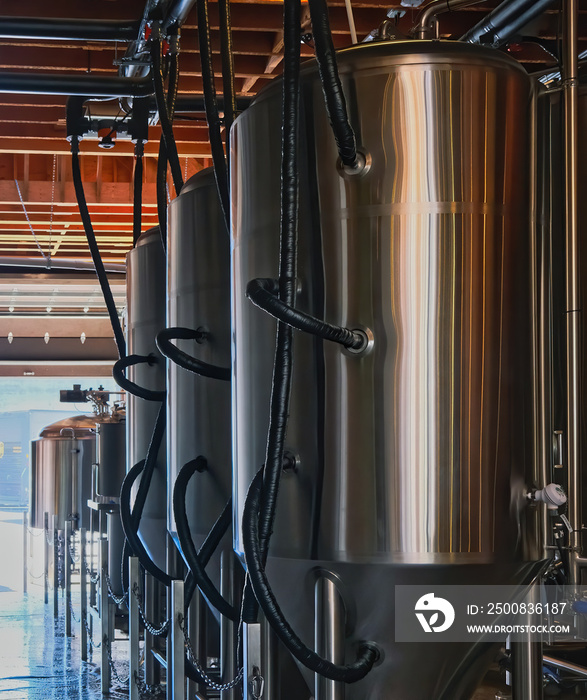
{"type": "Point", "coordinates": [93, 644]}
{"type": "Point", "coordinates": [60, 558]}
{"type": "Point", "coordinates": [52, 207]}
{"type": "Point", "coordinates": [26, 214]}
{"type": "Point", "coordinates": [149, 691]}
{"type": "Point", "coordinates": [149, 626]}
{"type": "Point", "coordinates": [210, 682]}
{"type": "Point", "coordinates": [119, 680]}
{"type": "Point", "coordinates": [94, 577]}
{"type": "Point", "coordinates": [32, 533]}
{"type": "Point", "coordinates": [119, 600]}
{"type": "Point", "coordinates": [71, 547]}
{"type": "Point", "coordinates": [36, 578]}
{"type": "Point", "coordinates": [75, 619]}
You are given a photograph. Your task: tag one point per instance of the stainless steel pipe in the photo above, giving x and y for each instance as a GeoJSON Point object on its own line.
{"type": "Point", "coordinates": [572, 287]}
{"type": "Point", "coordinates": [329, 635]}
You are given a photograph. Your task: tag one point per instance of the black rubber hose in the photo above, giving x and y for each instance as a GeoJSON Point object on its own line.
{"type": "Point", "coordinates": [137, 205]}
{"type": "Point", "coordinates": [209, 590]}
{"type": "Point", "coordinates": [94, 250]}
{"type": "Point", "coordinates": [367, 653]}
{"type": "Point", "coordinates": [331, 85]}
{"type": "Point", "coordinates": [118, 373]}
{"type": "Point", "coordinates": [161, 188]}
{"type": "Point", "coordinates": [226, 55]}
{"type": "Point", "coordinates": [150, 464]}
{"type": "Point", "coordinates": [130, 529]}
{"type": "Point", "coordinates": [262, 293]}
{"type": "Point", "coordinates": [283, 362]}
{"type": "Point", "coordinates": [181, 358]}
{"type": "Point", "coordinates": [211, 109]}
{"type": "Point", "coordinates": [165, 115]}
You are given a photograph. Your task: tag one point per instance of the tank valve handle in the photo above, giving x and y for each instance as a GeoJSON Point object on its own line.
{"type": "Point", "coordinates": [553, 495]}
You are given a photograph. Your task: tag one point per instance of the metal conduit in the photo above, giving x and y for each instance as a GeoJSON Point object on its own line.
{"type": "Point", "coordinates": [68, 29]}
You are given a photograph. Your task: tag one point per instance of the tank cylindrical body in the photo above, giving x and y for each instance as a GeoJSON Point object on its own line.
{"type": "Point", "coordinates": [110, 458]}
{"type": "Point", "coordinates": [199, 297]}
{"type": "Point", "coordinates": [145, 318]}
{"type": "Point", "coordinates": [415, 455]}
{"type": "Point", "coordinates": [61, 471]}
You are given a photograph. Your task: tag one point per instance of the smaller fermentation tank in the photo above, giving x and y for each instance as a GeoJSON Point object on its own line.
{"type": "Point", "coordinates": [69, 468]}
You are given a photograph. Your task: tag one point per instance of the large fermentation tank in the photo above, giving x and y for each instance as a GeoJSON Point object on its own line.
{"type": "Point", "coordinates": [199, 298]}
{"type": "Point", "coordinates": [414, 457]}
{"type": "Point", "coordinates": [146, 317]}
{"type": "Point", "coordinates": [61, 471]}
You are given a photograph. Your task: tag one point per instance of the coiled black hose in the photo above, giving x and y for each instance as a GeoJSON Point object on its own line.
{"type": "Point", "coordinates": [137, 205]}
{"type": "Point", "coordinates": [367, 654]}
{"type": "Point", "coordinates": [331, 85]}
{"type": "Point", "coordinates": [166, 110]}
{"type": "Point", "coordinates": [131, 532]}
{"type": "Point", "coordinates": [262, 293]}
{"type": "Point", "coordinates": [181, 358]}
{"type": "Point", "coordinates": [94, 250]}
{"type": "Point", "coordinates": [283, 362]}
{"type": "Point", "coordinates": [211, 108]}
{"type": "Point", "coordinates": [119, 369]}
{"type": "Point", "coordinates": [193, 559]}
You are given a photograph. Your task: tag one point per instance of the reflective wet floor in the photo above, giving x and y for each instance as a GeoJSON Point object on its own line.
{"type": "Point", "coordinates": [37, 660]}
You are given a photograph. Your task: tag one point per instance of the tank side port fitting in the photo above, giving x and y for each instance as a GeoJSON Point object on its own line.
{"type": "Point", "coordinates": [553, 495]}
{"type": "Point", "coordinates": [361, 166]}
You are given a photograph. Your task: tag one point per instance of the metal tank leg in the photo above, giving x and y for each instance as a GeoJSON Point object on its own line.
{"type": "Point", "coordinates": [329, 635]}
{"type": "Point", "coordinates": [83, 586]}
{"type": "Point", "coordinates": [105, 632]}
{"type": "Point", "coordinates": [230, 590]}
{"type": "Point", "coordinates": [176, 646]}
{"type": "Point", "coordinates": [527, 671]}
{"type": "Point", "coordinates": [67, 566]}
{"type": "Point", "coordinates": [25, 553]}
{"type": "Point", "coordinates": [55, 568]}
{"type": "Point", "coordinates": [197, 619]}
{"type": "Point", "coordinates": [46, 557]}
{"type": "Point", "coordinates": [152, 607]}
{"type": "Point", "coordinates": [133, 629]}
{"type": "Point", "coordinates": [260, 659]}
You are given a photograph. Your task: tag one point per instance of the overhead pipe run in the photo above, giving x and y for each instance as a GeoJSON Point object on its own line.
{"type": "Point", "coordinates": [499, 26]}
{"type": "Point", "coordinates": [89, 85]}
{"type": "Point", "coordinates": [67, 29]}
{"type": "Point", "coordinates": [426, 24]}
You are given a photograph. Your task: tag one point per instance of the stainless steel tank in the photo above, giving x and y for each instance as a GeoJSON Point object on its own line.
{"type": "Point", "coordinates": [199, 297]}
{"type": "Point", "coordinates": [414, 457]}
{"type": "Point", "coordinates": [61, 471]}
{"type": "Point", "coordinates": [110, 465]}
{"type": "Point", "coordinates": [110, 470]}
{"type": "Point", "coordinates": [145, 288]}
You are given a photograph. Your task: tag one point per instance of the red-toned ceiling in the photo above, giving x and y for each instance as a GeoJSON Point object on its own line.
{"type": "Point", "coordinates": [34, 151]}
